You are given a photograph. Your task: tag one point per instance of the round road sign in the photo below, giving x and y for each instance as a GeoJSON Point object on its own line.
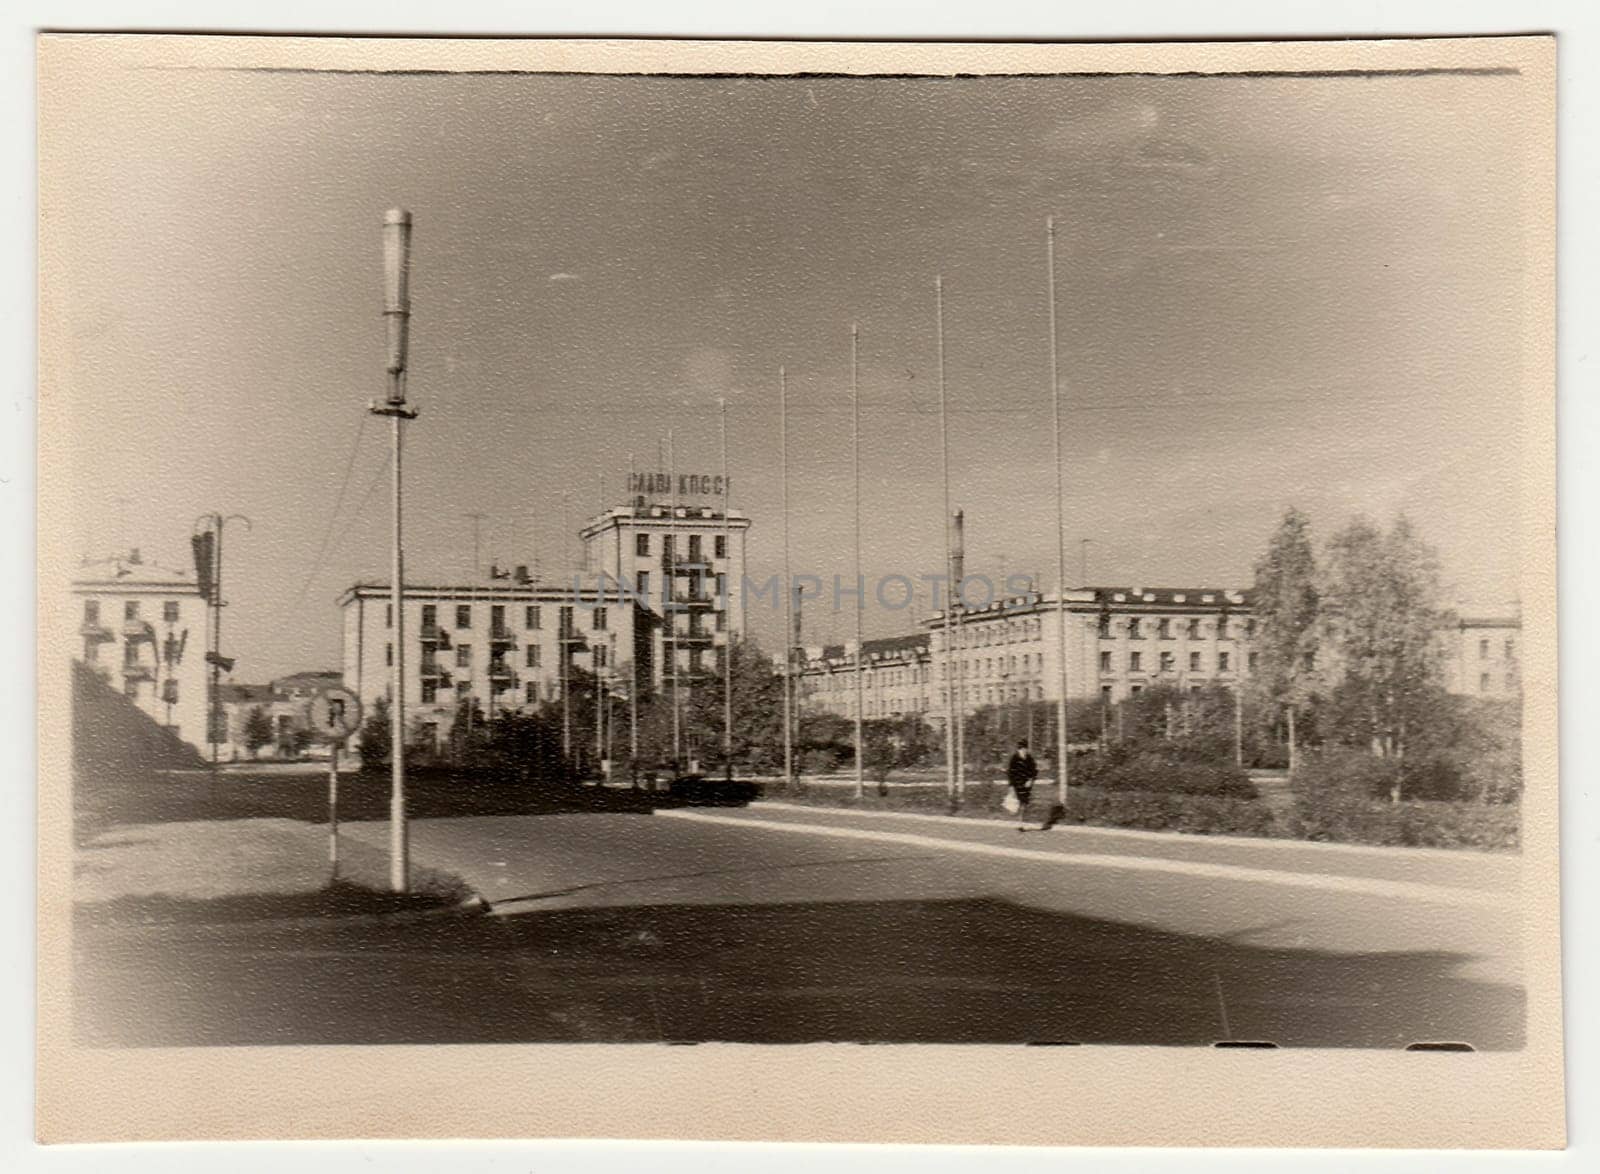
{"type": "Point", "coordinates": [334, 713]}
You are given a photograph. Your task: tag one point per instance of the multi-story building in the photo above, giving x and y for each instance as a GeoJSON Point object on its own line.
{"type": "Point", "coordinates": [656, 602]}
{"type": "Point", "coordinates": [1482, 656]}
{"type": "Point", "coordinates": [1119, 641]}
{"type": "Point", "coordinates": [143, 630]}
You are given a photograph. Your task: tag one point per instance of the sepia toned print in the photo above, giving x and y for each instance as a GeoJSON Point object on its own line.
{"type": "Point", "coordinates": [1032, 557]}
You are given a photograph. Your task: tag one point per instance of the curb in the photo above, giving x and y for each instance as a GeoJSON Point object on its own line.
{"type": "Point", "coordinates": [472, 906]}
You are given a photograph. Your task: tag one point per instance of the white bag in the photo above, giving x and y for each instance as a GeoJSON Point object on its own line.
{"type": "Point", "coordinates": [1011, 803]}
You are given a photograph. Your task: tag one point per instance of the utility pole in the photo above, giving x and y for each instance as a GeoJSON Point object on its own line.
{"type": "Point", "coordinates": [788, 588]}
{"type": "Point", "coordinates": [855, 465]}
{"type": "Point", "coordinates": [397, 315]}
{"type": "Point", "coordinates": [1061, 526]}
{"type": "Point", "coordinates": [1238, 725]}
{"type": "Point", "coordinates": [211, 526]}
{"type": "Point", "coordinates": [633, 691]}
{"type": "Point", "coordinates": [477, 563]}
{"type": "Point", "coordinates": [950, 733]}
{"type": "Point", "coordinates": [727, 585]}
{"type": "Point", "coordinates": [669, 604]}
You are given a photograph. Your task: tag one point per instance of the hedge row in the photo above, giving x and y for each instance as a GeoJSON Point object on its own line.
{"type": "Point", "coordinates": [1324, 817]}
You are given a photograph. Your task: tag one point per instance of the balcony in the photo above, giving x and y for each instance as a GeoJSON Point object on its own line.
{"type": "Point", "coordinates": [96, 631]}
{"type": "Point", "coordinates": [692, 639]}
{"type": "Point", "coordinates": [434, 634]}
{"type": "Point", "coordinates": [138, 672]}
{"type": "Point", "coordinates": [502, 635]}
{"type": "Point", "coordinates": [502, 673]}
{"type": "Point", "coordinates": [694, 601]}
{"type": "Point", "coordinates": [138, 630]}
{"type": "Point", "coordinates": [572, 638]}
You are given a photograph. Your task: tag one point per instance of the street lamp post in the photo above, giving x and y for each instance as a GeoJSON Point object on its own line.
{"type": "Point", "coordinates": [397, 316]}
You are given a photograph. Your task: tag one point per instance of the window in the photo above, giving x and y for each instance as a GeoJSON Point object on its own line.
{"type": "Point", "coordinates": [641, 545]}
{"type": "Point", "coordinates": [1255, 659]}
{"type": "Point", "coordinates": [642, 585]}
{"type": "Point", "coordinates": [722, 621]}
{"type": "Point", "coordinates": [1511, 649]}
{"type": "Point", "coordinates": [600, 656]}
{"type": "Point", "coordinates": [1133, 630]}
{"type": "Point", "coordinates": [1105, 694]}
{"type": "Point", "coordinates": [1105, 662]}
{"type": "Point", "coordinates": [1250, 629]}
{"type": "Point", "coordinates": [497, 618]}
{"type": "Point", "coordinates": [1483, 650]}
{"type": "Point", "coordinates": [388, 654]}
{"type": "Point", "coordinates": [1166, 662]}
{"type": "Point", "coordinates": [1483, 682]}
{"type": "Point", "coordinates": [564, 618]}
{"type": "Point", "coordinates": [1194, 662]}
{"type": "Point", "coordinates": [430, 692]}
{"type": "Point", "coordinates": [1164, 629]}
{"type": "Point", "coordinates": [430, 619]}
{"type": "Point", "coordinates": [1135, 661]}
{"type": "Point", "coordinates": [530, 692]}
{"type": "Point", "coordinates": [666, 547]}
{"type": "Point", "coordinates": [1136, 689]}
{"type": "Point", "coordinates": [1194, 629]}
{"type": "Point", "coordinates": [533, 656]}
{"type": "Point", "coordinates": [91, 651]}
{"type": "Point", "coordinates": [1224, 662]}
{"type": "Point", "coordinates": [599, 619]}
{"type": "Point", "coordinates": [169, 611]}
{"type": "Point", "coordinates": [1222, 627]}
{"type": "Point", "coordinates": [91, 611]}
{"type": "Point", "coordinates": [169, 691]}
{"type": "Point", "coordinates": [463, 656]}
{"type": "Point", "coordinates": [695, 548]}
{"type": "Point", "coordinates": [530, 617]}
{"type": "Point", "coordinates": [463, 615]}
{"type": "Point", "coordinates": [1309, 660]}
{"type": "Point", "coordinates": [388, 615]}
{"type": "Point", "coordinates": [463, 690]}
{"type": "Point", "coordinates": [130, 610]}
{"type": "Point", "coordinates": [722, 588]}
{"type": "Point", "coordinates": [721, 546]}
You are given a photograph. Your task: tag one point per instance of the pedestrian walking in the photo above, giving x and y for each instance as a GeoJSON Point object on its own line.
{"type": "Point", "coordinates": [1020, 773]}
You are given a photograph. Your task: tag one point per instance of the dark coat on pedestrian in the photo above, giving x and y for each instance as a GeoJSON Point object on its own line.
{"type": "Point", "coordinates": [1022, 770]}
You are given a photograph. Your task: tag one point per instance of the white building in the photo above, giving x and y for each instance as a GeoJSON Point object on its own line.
{"type": "Point", "coordinates": [143, 630]}
{"type": "Point", "coordinates": [1119, 641]}
{"type": "Point", "coordinates": [1482, 656]}
{"type": "Point", "coordinates": [656, 602]}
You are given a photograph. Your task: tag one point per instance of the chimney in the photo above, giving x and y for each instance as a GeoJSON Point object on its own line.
{"type": "Point", "coordinates": [133, 556]}
{"type": "Point", "coordinates": [522, 572]}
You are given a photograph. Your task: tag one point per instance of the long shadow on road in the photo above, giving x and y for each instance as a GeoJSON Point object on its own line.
{"type": "Point", "coordinates": [944, 971]}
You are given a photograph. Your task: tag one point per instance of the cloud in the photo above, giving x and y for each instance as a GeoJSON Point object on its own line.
{"type": "Point", "coordinates": [558, 277]}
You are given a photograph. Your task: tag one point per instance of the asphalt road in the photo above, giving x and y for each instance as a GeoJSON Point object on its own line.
{"type": "Point", "coordinates": [774, 924]}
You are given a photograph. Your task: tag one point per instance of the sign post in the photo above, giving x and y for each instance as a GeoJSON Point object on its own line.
{"type": "Point", "coordinates": [333, 714]}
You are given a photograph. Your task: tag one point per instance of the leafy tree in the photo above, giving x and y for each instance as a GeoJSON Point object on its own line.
{"type": "Point", "coordinates": [757, 715]}
{"type": "Point", "coordinates": [1380, 604]}
{"type": "Point", "coordinates": [375, 735]}
{"type": "Point", "coordinates": [257, 730]}
{"type": "Point", "coordinates": [1286, 606]}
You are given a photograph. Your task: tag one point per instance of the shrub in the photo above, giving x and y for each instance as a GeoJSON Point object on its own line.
{"type": "Point", "coordinates": [1163, 773]}
{"type": "Point", "coordinates": [1410, 823]}
{"type": "Point", "coordinates": [1200, 814]}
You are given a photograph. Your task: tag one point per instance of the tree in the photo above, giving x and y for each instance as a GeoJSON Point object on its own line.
{"type": "Point", "coordinates": [1382, 618]}
{"type": "Point", "coordinates": [1286, 604]}
{"type": "Point", "coordinates": [375, 736]}
{"type": "Point", "coordinates": [257, 730]}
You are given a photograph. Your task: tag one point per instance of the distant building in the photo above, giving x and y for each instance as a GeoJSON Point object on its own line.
{"type": "Point", "coordinates": [1120, 641]}
{"type": "Point", "coordinates": [1483, 656]}
{"type": "Point", "coordinates": [656, 600]}
{"type": "Point", "coordinates": [143, 631]}
{"type": "Point", "coordinates": [283, 702]}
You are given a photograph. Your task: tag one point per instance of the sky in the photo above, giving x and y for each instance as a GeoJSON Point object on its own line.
{"type": "Point", "coordinates": [1271, 291]}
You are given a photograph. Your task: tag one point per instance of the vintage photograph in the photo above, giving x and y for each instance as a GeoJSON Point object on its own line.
{"type": "Point", "coordinates": [601, 548]}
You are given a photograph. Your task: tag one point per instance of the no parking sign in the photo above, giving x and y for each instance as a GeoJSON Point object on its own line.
{"type": "Point", "coordinates": [334, 713]}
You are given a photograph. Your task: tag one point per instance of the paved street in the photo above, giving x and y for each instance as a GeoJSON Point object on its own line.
{"type": "Point", "coordinates": [776, 923]}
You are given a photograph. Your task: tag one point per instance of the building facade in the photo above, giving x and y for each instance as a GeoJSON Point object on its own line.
{"type": "Point", "coordinates": [1119, 641]}
{"type": "Point", "coordinates": [653, 606]}
{"type": "Point", "coordinates": [143, 630]}
{"type": "Point", "coordinates": [1482, 656]}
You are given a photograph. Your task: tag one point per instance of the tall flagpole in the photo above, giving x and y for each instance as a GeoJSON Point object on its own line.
{"type": "Point", "coordinates": [669, 604]}
{"type": "Point", "coordinates": [788, 590]}
{"type": "Point", "coordinates": [727, 585]}
{"type": "Point", "coordinates": [855, 462]}
{"type": "Point", "coordinates": [1061, 528]}
{"type": "Point", "coordinates": [633, 692]}
{"type": "Point", "coordinates": [950, 734]}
